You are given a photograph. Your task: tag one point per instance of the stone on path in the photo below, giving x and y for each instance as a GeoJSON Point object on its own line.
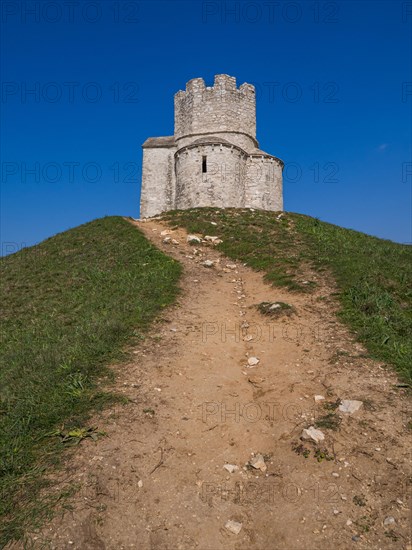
{"type": "Point", "coordinates": [258, 462]}
{"type": "Point", "coordinates": [212, 239]}
{"type": "Point", "coordinates": [233, 526]}
{"type": "Point", "coordinates": [313, 434]}
{"type": "Point", "coordinates": [231, 468]}
{"type": "Point", "coordinates": [349, 406]}
{"type": "Point", "coordinates": [193, 239]}
{"type": "Point", "coordinates": [253, 361]}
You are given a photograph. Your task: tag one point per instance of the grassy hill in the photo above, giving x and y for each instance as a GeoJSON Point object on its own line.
{"type": "Point", "coordinates": [373, 276]}
{"type": "Point", "coordinates": [69, 305]}
{"type": "Point", "coordinates": [72, 303]}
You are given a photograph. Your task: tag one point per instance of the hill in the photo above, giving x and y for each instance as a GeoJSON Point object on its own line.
{"type": "Point", "coordinates": [75, 303]}
{"type": "Point", "coordinates": [69, 306]}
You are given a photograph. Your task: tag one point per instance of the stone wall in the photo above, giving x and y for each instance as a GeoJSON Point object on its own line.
{"type": "Point", "coordinates": [263, 183]}
{"type": "Point", "coordinates": [223, 107]}
{"type": "Point", "coordinates": [222, 185]}
{"type": "Point", "coordinates": [158, 182]}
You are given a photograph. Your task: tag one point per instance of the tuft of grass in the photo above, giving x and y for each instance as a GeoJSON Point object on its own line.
{"type": "Point", "coordinates": [373, 276]}
{"type": "Point", "coordinates": [359, 500]}
{"type": "Point", "coordinates": [331, 405]}
{"type": "Point", "coordinates": [323, 454]}
{"type": "Point", "coordinates": [329, 421]}
{"type": "Point", "coordinates": [391, 535]}
{"type": "Point", "coordinates": [364, 524]}
{"type": "Point", "coordinates": [300, 449]}
{"type": "Point", "coordinates": [69, 307]}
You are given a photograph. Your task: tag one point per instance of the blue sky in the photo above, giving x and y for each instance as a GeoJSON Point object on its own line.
{"type": "Point", "coordinates": [85, 83]}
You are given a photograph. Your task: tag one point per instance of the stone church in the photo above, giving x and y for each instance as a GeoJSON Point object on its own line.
{"type": "Point", "coordinates": [213, 158]}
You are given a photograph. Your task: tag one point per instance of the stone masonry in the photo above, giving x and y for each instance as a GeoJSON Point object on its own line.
{"type": "Point", "coordinates": [213, 159]}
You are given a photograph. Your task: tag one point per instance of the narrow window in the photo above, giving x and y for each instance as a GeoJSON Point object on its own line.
{"type": "Point", "coordinates": [204, 165]}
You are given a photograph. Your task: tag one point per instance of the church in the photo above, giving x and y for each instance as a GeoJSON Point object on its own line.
{"type": "Point", "coordinates": [213, 158]}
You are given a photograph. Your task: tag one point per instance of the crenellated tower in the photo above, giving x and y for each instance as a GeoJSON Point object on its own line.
{"type": "Point", "coordinates": [221, 109]}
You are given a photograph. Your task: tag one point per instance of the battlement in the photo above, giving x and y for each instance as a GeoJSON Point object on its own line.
{"type": "Point", "coordinates": [223, 107]}
{"type": "Point", "coordinates": [221, 82]}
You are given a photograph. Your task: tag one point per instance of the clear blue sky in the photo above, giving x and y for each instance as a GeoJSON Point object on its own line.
{"type": "Point", "coordinates": [85, 83]}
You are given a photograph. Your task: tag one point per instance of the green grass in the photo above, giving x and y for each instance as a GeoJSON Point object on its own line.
{"type": "Point", "coordinates": [69, 307]}
{"type": "Point", "coordinates": [329, 421]}
{"type": "Point", "coordinates": [373, 275]}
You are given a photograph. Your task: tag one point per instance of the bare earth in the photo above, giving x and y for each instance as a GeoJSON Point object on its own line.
{"type": "Point", "coordinates": [157, 480]}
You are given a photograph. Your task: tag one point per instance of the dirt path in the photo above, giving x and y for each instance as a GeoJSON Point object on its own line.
{"type": "Point", "coordinates": [157, 481]}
